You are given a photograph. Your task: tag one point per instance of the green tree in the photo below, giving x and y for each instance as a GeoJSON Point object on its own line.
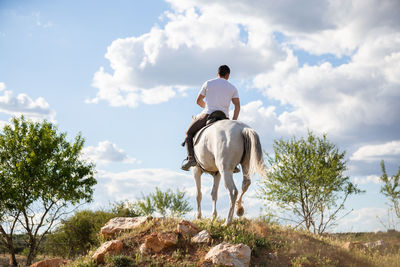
{"type": "Point", "coordinates": [77, 234]}
{"type": "Point", "coordinates": [307, 179]}
{"type": "Point", "coordinates": [41, 175]}
{"type": "Point", "coordinates": [391, 188]}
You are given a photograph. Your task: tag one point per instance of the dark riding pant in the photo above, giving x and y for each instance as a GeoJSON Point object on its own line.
{"type": "Point", "coordinates": [199, 122]}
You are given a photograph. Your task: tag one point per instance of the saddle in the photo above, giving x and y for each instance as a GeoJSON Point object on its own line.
{"type": "Point", "coordinates": [216, 116]}
{"type": "Point", "coordinates": [212, 118]}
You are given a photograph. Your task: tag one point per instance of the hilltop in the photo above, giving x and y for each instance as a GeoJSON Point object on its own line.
{"type": "Point", "coordinates": [271, 245]}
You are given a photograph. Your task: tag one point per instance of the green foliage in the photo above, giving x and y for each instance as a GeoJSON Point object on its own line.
{"type": "Point", "coordinates": [307, 178]}
{"type": "Point", "coordinates": [391, 188]}
{"type": "Point", "coordinates": [77, 234]}
{"type": "Point", "coordinates": [120, 261]}
{"type": "Point", "coordinates": [145, 206]}
{"type": "Point", "coordinates": [125, 209]}
{"type": "Point", "coordinates": [85, 261]}
{"type": "Point", "coordinates": [41, 173]}
{"type": "Point", "coordinates": [169, 203]}
{"type": "Point", "coordinates": [166, 203]}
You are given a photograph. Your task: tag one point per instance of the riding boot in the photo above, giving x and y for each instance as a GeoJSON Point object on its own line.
{"type": "Point", "coordinates": [190, 160]}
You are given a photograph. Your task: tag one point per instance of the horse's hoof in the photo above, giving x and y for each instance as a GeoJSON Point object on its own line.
{"type": "Point", "coordinates": [240, 211]}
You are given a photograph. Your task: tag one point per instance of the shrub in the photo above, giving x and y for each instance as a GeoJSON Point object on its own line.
{"type": "Point", "coordinates": [77, 234]}
{"type": "Point", "coordinates": [120, 261]}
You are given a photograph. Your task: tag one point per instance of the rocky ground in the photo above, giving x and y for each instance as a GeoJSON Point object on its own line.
{"type": "Point", "coordinates": [170, 242]}
{"type": "Point", "coordinates": [144, 241]}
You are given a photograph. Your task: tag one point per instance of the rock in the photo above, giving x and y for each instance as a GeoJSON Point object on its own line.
{"type": "Point", "coordinates": [158, 241]}
{"type": "Point", "coordinates": [202, 237]}
{"type": "Point", "coordinates": [109, 247]}
{"type": "Point", "coordinates": [56, 262]}
{"type": "Point", "coordinates": [187, 228]}
{"type": "Point", "coordinates": [229, 255]}
{"type": "Point", "coordinates": [376, 244]}
{"type": "Point", "coordinates": [352, 245]}
{"type": "Point", "coordinates": [153, 243]}
{"type": "Point", "coordinates": [168, 239]}
{"type": "Point", "coordinates": [144, 250]}
{"type": "Point", "coordinates": [119, 224]}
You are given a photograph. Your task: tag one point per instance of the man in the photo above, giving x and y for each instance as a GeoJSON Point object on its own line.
{"type": "Point", "coordinates": [218, 94]}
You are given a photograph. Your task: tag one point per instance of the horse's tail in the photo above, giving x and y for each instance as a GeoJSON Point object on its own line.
{"type": "Point", "coordinates": [253, 152]}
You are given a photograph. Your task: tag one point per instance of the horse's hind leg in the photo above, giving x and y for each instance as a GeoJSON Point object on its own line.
{"type": "Point", "coordinates": [245, 185]}
{"type": "Point", "coordinates": [214, 193]}
{"type": "Point", "coordinates": [197, 172]}
{"type": "Point", "coordinates": [230, 185]}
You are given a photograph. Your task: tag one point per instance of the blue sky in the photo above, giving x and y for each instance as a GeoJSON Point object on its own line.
{"type": "Point", "coordinates": [126, 74]}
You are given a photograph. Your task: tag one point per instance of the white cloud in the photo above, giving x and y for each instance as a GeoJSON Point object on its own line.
{"type": "Point", "coordinates": [131, 184]}
{"type": "Point", "coordinates": [319, 27]}
{"type": "Point", "coordinates": [350, 24]}
{"type": "Point", "coordinates": [161, 64]}
{"type": "Point", "coordinates": [367, 179]}
{"type": "Point", "coordinates": [377, 152]}
{"type": "Point", "coordinates": [351, 97]}
{"type": "Point", "coordinates": [262, 119]}
{"type": "Point", "coordinates": [22, 104]}
{"type": "Point", "coordinates": [362, 220]}
{"type": "Point", "coordinates": [200, 35]}
{"type": "Point", "coordinates": [107, 152]}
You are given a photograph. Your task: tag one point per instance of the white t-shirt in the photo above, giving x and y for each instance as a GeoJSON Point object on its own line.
{"type": "Point", "coordinates": [218, 93]}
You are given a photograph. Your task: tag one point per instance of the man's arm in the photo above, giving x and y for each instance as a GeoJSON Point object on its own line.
{"type": "Point", "coordinates": [200, 101]}
{"type": "Point", "coordinates": [236, 103]}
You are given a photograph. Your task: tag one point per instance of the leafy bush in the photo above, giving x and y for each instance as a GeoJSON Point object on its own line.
{"type": "Point", "coordinates": [120, 261]}
{"type": "Point", "coordinates": [82, 262]}
{"type": "Point", "coordinates": [77, 234]}
{"type": "Point", "coordinates": [125, 209]}
{"type": "Point", "coordinates": [166, 203]}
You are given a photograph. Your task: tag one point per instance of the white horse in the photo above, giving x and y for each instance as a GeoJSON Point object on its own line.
{"type": "Point", "coordinates": [218, 150]}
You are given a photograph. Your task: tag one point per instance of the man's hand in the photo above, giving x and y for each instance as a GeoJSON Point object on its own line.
{"type": "Point", "coordinates": [200, 101]}
{"type": "Point", "coordinates": [236, 103]}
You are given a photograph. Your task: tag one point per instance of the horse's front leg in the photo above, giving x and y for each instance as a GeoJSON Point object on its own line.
{"type": "Point", "coordinates": [233, 192]}
{"type": "Point", "coordinates": [214, 193]}
{"type": "Point", "coordinates": [197, 172]}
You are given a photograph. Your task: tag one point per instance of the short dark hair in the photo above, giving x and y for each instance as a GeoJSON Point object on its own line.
{"type": "Point", "coordinates": [223, 70]}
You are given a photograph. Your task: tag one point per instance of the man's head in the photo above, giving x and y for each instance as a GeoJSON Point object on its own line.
{"type": "Point", "coordinates": [224, 71]}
